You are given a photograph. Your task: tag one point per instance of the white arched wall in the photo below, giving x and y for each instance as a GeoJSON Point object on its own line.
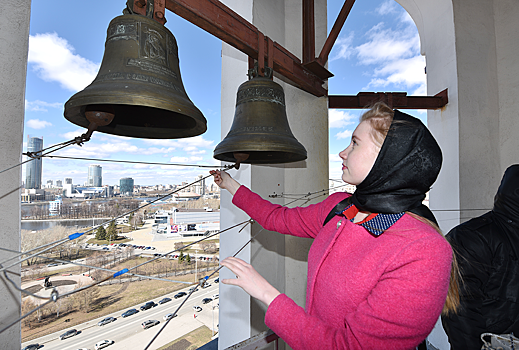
{"type": "Point", "coordinates": [470, 48]}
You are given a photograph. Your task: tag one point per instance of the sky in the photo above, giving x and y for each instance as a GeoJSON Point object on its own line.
{"type": "Point", "coordinates": [378, 49]}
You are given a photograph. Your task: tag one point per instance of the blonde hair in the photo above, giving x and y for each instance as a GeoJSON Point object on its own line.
{"type": "Point", "coordinates": [380, 116]}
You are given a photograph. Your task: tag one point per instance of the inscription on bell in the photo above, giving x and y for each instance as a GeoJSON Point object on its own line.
{"type": "Point", "coordinates": [260, 94]}
{"type": "Point", "coordinates": [252, 129]}
{"type": "Point", "coordinates": [151, 67]}
{"type": "Point", "coordinates": [139, 77]}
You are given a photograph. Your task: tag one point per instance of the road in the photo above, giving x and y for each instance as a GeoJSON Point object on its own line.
{"type": "Point", "coordinates": [128, 332]}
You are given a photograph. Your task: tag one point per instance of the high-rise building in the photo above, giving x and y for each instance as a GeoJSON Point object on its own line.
{"type": "Point", "coordinates": [68, 181]}
{"type": "Point", "coordinates": [33, 168]}
{"type": "Point", "coordinates": [199, 187]}
{"type": "Point", "coordinates": [59, 183]}
{"type": "Point", "coordinates": [95, 176]}
{"type": "Point", "coordinates": [126, 186]}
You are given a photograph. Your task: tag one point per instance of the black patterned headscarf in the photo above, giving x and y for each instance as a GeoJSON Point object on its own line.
{"type": "Point", "coordinates": [407, 165]}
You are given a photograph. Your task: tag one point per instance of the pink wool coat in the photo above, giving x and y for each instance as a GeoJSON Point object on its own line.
{"type": "Point", "coordinates": [363, 292]}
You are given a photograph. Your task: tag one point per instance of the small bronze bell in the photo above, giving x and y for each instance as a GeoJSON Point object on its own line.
{"type": "Point", "coordinates": [260, 133]}
{"type": "Point", "coordinates": [139, 83]}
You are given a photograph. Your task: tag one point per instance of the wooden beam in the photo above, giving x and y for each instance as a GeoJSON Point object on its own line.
{"type": "Point", "coordinates": [398, 100]}
{"type": "Point", "coordinates": [308, 31]}
{"type": "Point", "coordinates": [222, 22]}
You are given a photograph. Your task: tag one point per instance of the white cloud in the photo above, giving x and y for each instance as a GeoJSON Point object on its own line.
{"type": "Point", "coordinates": [335, 158]}
{"type": "Point", "coordinates": [406, 73]}
{"type": "Point", "coordinates": [72, 134]}
{"type": "Point", "coordinates": [38, 124]}
{"type": "Point", "coordinates": [41, 106]}
{"type": "Point", "coordinates": [387, 7]}
{"type": "Point", "coordinates": [185, 160]}
{"type": "Point", "coordinates": [335, 166]}
{"type": "Point", "coordinates": [387, 45]}
{"type": "Point", "coordinates": [343, 134]}
{"type": "Point", "coordinates": [54, 60]}
{"type": "Point", "coordinates": [345, 47]}
{"type": "Point", "coordinates": [191, 145]}
{"type": "Point", "coordinates": [339, 118]}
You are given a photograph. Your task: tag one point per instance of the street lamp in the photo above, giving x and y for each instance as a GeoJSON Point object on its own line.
{"type": "Point", "coordinates": [212, 305]}
{"type": "Point", "coordinates": [196, 265]}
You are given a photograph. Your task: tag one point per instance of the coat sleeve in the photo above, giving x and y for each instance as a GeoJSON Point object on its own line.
{"type": "Point", "coordinates": [474, 258]}
{"type": "Point", "coordinates": [299, 221]}
{"type": "Point", "coordinates": [400, 311]}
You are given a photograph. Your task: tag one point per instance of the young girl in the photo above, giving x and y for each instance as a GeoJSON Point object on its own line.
{"type": "Point", "coordinates": [378, 268]}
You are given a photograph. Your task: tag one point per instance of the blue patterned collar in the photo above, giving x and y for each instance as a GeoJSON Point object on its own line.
{"type": "Point", "coordinates": [376, 224]}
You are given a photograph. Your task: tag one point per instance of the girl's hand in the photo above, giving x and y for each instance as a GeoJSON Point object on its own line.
{"type": "Point", "coordinates": [225, 181]}
{"type": "Point", "coordinates": [249, 280]}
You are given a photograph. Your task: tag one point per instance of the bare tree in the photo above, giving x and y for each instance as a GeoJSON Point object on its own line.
{"type": "Point", "coordinates": [179, 245]}
{"type": "Point", "coordinates": [27, 306]}
{"type": "Point", "coordinates": [208, 247]}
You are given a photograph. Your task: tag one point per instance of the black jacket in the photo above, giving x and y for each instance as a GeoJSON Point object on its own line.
{"type": "Point", "coordinates": [487, 250]}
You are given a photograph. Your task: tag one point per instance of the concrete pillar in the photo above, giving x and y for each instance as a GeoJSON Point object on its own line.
{"type": "Point", "coordinates": [281, 260]}
{"type": "Point", "coordinates": [14, 37]}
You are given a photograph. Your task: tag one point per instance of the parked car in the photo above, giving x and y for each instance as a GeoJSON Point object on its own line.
{"type": "Point", "coordinates": [106, 321]}
{"type": "Point", "coordinates": [197, 308]}
{"type": "Point", "coordinates": [165, 300]}
{"type": "Point", "coordinates": [130, 312]}
{"type": "Point", "coordinates": [103, 344]}
{"type": "Point", "coordinates": [52, 264]}
{"type": "Point", "coordinates": [148, 305]}
{"type": "Point", "coordinates": [32, 347]}
{"type": "Point", "coordinates": [68, 334]}
{"type": "Point", "coordinates": [149, 323]}
{"type": "Point", "coordinates": [169, 316]}
{"type": "Point", "coordinates": [206, 300]}
{"type": "Point", "coordinates": [180, 295]}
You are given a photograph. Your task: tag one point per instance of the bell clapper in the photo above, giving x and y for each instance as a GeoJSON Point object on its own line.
{"type": "Point", "coordinates": [96, 118]}
{"type": "Point", "coordinates": [240, 157]}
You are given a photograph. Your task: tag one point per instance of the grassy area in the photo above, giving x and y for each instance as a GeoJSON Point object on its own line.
{"type": "Point", "coordinates": [111, 298]}
{"type": "Point", "coordinates": [108, 298]}
{"type": "Point", "coordinates": [103, 241]}
{"type": "Point", "coordinates": [190, 341]}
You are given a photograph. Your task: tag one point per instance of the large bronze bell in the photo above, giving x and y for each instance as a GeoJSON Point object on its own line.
{"type": "Point", "coordinates": [260, 133]}
{"type": "Point", "coordinates": [139, 83]}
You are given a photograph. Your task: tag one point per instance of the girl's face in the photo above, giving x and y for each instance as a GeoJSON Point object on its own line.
{"type": "Point", "coordinates": [358, 158]}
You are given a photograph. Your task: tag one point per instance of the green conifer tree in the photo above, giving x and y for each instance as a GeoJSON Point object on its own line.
{"type": "Point", "coordinates": [111, 233]}
{"type": "Point", "coordinates": [101, 233]}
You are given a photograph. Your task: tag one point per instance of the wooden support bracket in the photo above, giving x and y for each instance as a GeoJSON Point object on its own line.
{"type": "Point", "coordinates": [219, 20]}
{"type": "Point", "coordinates": [398, 100]}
